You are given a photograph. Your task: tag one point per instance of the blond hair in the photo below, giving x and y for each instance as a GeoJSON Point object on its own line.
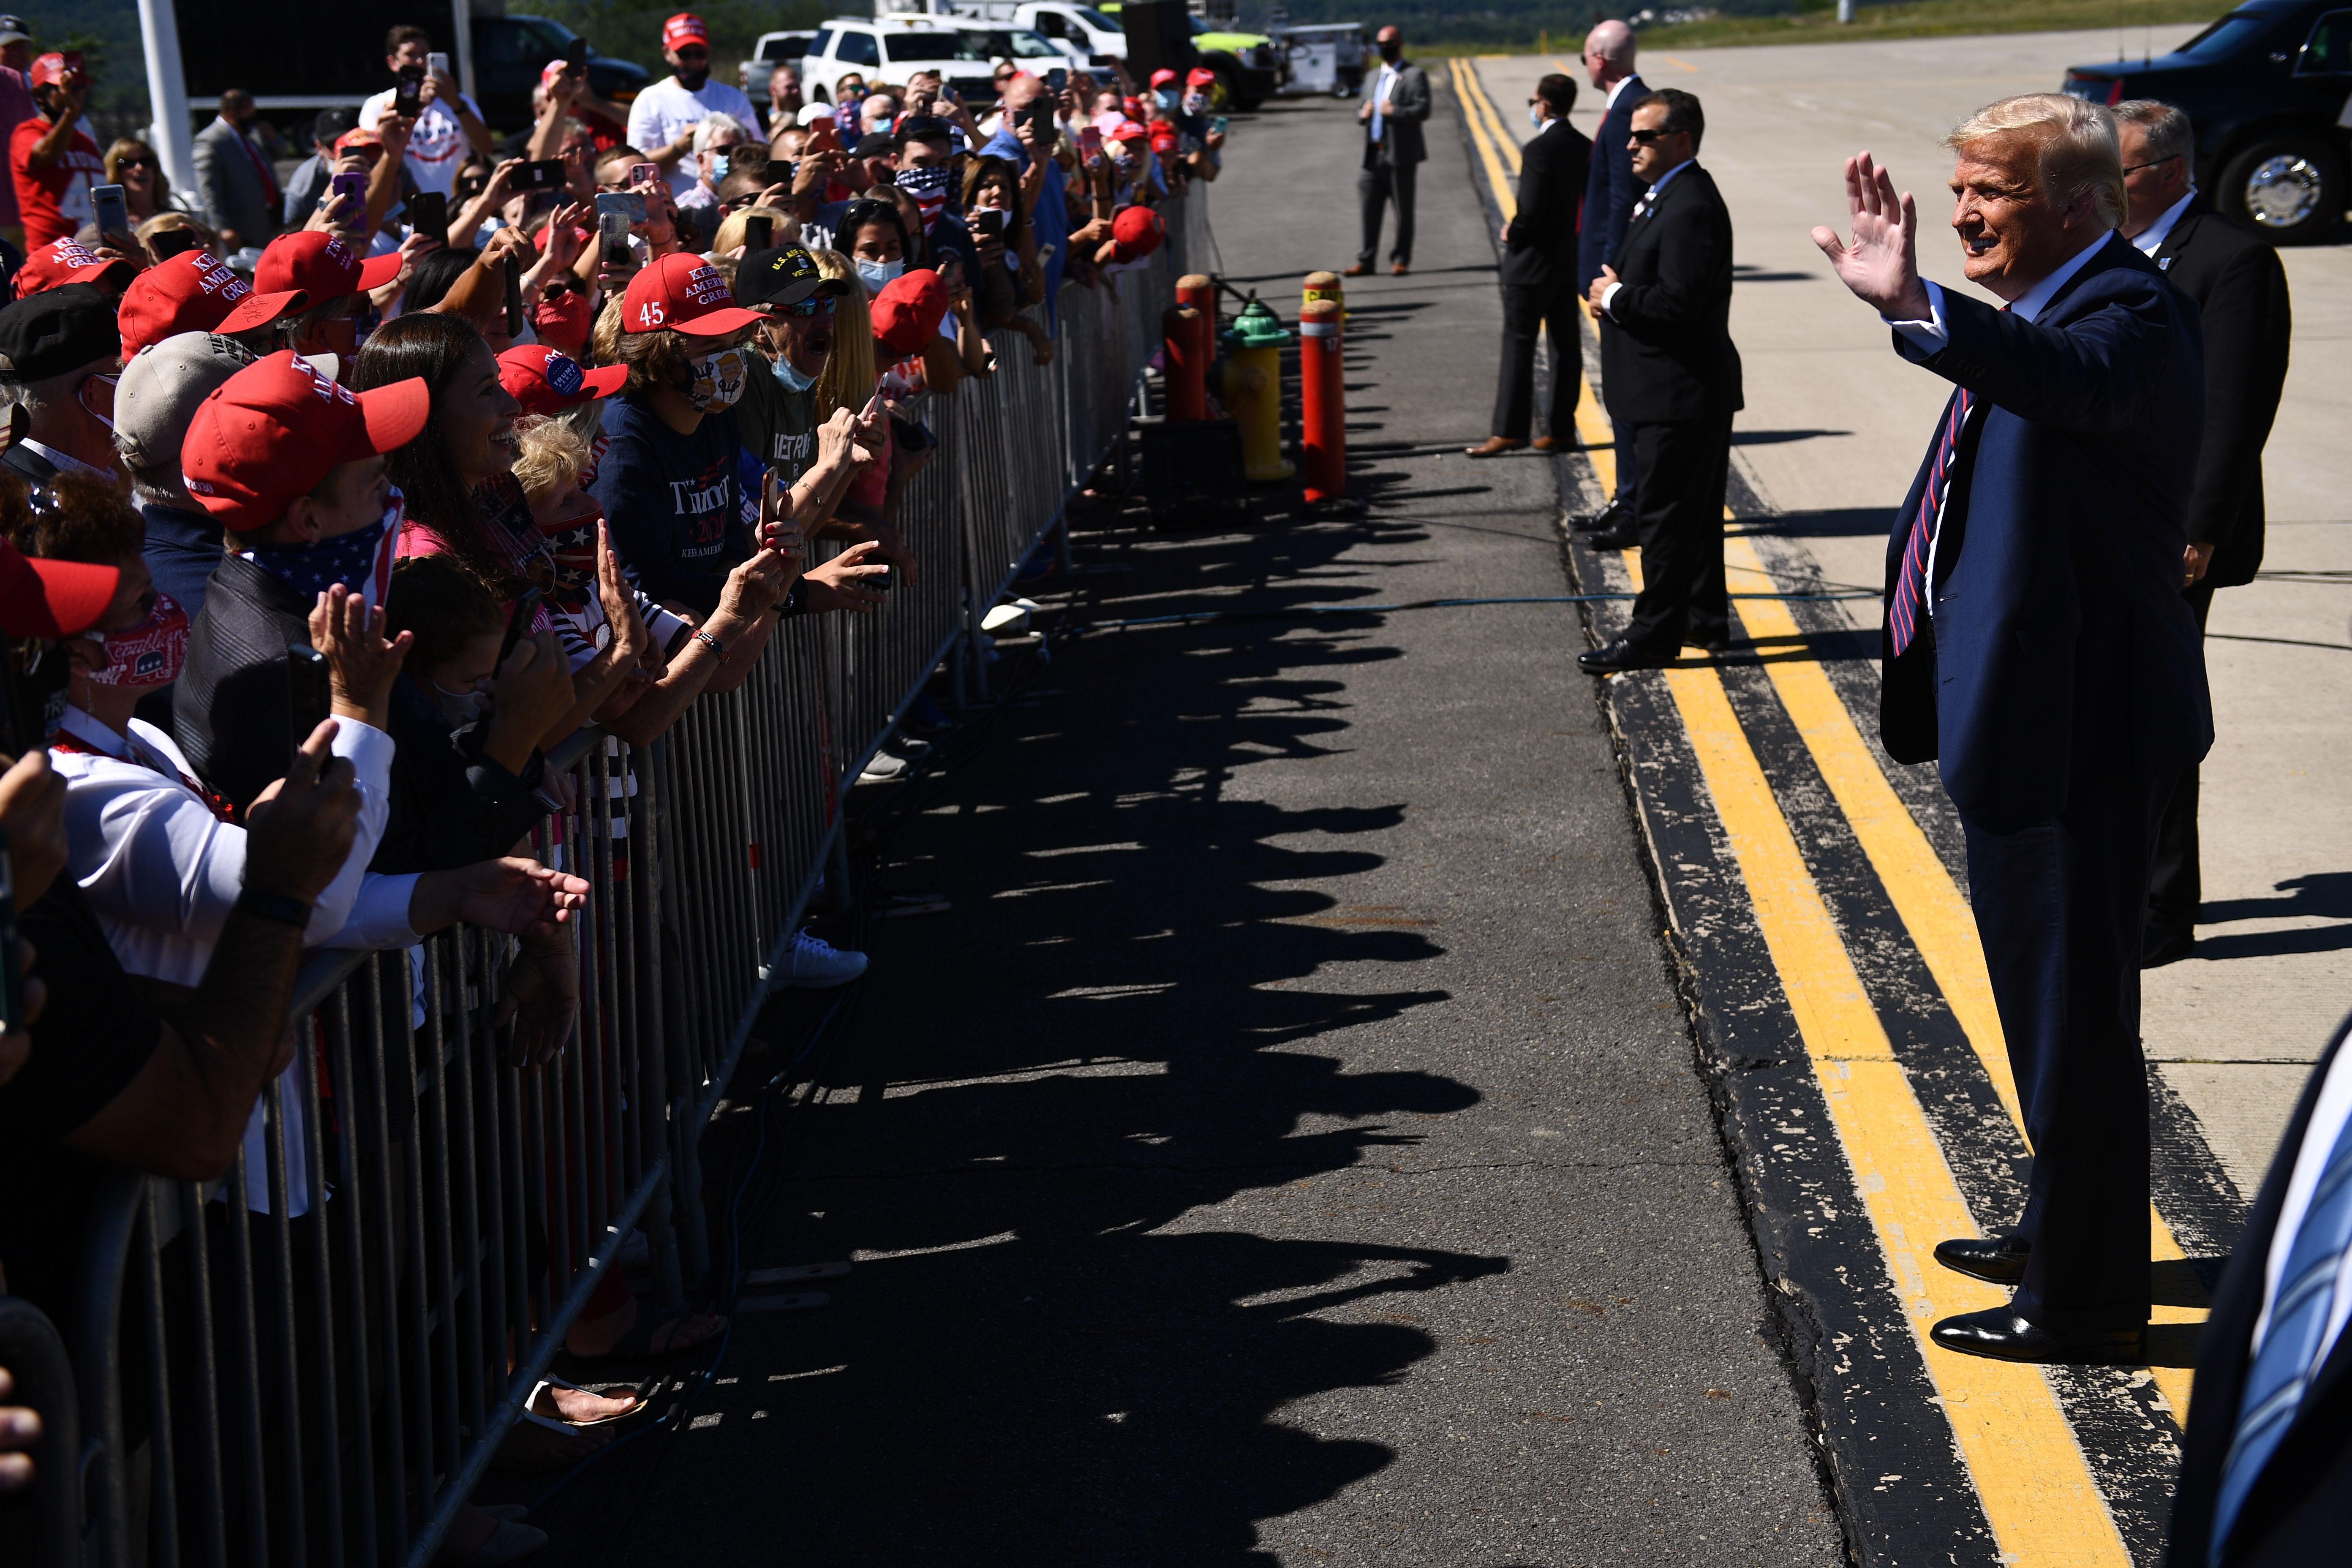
{"type": "Point", "coordinates": [548, 458]}
{"type": "Point", "coordinates": [2076, 141]}
{"type": "Point", "coordinates": [847, 379]}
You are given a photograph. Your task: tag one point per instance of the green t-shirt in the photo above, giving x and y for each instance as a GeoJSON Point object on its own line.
{"type": "Point", "coordinates": [779, 424]}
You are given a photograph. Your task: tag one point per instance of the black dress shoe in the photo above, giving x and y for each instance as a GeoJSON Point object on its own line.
{"type": "Point", "coordinates": [1612, 656]}
{"type": "Point", "coordinates": [1614, 517]}
{"type": "Point", "coordinates": [2161, 948]}
{"type": "Point", "coordinates": [2000, 1260]}
{"type": "Point", "coordinates": [1615, 538]}
{"type": "Point", "coordinates": [2003, 1335]}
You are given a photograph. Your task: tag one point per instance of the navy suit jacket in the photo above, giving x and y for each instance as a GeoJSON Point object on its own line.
{"type": "Point", "coordinates": [2059, 635]}
{"type": "Point", "coordinates": [1610, 189]}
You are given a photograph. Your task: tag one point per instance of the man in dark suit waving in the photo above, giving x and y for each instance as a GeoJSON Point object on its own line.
{"type": "Point", "coordinates": [1538, 286]}
{"type": "Point", "coordinates": [1671, 379]}
{"type": "Point", "coordinates": [2240, 293]}
{"type": "Point", "coordinates": [2266, 1463]}
{"type": "Point", "coordinates": [1609, 191]}
{"type": "Point", "coordinates": [2038, 648]}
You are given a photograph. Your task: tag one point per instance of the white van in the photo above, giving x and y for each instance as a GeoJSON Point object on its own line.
{"type": "Point", "coordinates": [888, 49]}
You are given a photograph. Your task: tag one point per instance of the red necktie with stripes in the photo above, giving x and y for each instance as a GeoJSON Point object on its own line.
{"type": "Point", "coordinates": [1911, 584]}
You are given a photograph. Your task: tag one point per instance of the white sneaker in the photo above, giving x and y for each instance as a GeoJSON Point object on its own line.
{"type": "Point", "coordinates": [882, 768]}
{"type": "Point", "coordinates": [813, 964]}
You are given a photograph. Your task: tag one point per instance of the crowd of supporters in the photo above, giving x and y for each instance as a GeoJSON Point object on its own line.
{"type": "Point", "coordinates": [334, 502]}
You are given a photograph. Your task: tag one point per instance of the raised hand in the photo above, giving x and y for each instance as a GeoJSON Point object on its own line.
{"type": "Point", "coordinates": [843, 583]}
{"type": "Point", "coordinates": [301, 827]}
{"type": "Point", "coordinates": [360, 665]}
{"type": "Point", "coordinates": [1881, 263]}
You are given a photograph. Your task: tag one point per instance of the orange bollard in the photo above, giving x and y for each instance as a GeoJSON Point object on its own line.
{"type": "Point", "coordinates": [1199, 291]}
{"type": "Point", "coordinates": [1185, 346]}
{"type": "Point", "coordinates": [1323, 414]}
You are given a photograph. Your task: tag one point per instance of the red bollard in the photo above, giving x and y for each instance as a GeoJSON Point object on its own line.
{"type": "Point", "coordinates": [1323, 414]}
{"type": "Point", "coordinates": [1185, 348]}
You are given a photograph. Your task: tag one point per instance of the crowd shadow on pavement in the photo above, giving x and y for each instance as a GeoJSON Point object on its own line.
{"type": "Point", "coordinates": [2323, 895]}
{"type": "Point", "coordinates": [1077, 1132]}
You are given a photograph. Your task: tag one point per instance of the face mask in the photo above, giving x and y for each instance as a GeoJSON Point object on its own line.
{"type": "Point", "coordinates": [1196, 103]}
{"type": "Point", "coordinates": [715, 380]}
{"type": "Point", "coordinates": [97, 398]}
{"type": "Point", "coordinates": [149, 654]}
{"type": "Point", "coordinates": [562, 321]}
{"type": "Point", "coordinates": [461, 707]}
{"type": "Point", "coordinates": [1165, 98]}
{"type": "Point", "coordinates": [793, 379]}
{"type": "Point", "coordinates": [878, 275]}
{"type": "Point", "coordinates": [1535, 115]}
{"type": "Point", "coordinates": [1391, 52]}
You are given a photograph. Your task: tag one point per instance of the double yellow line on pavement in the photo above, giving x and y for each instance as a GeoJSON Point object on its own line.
{"type": "Point", "coordinates": [2031, 1476]}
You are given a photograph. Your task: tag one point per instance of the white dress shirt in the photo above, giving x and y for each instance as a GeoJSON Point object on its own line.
{"type": "Point", "coordinates": [1616, 90]}
{"type": "Point", "coordinates": [2147, 240]}
{"type": "Point", "coordinates": [162, 873]}
{"type": "Point", "coordinates": [1649, 200]}
{"type": "Point", "coordinates": [2329, 1114]}
{"type": "Point", "coordinates": [1930, 337]}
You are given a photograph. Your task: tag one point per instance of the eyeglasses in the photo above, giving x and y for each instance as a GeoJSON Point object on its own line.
{"type": "Point", "coordinates": [814, 305]}
{"type": "Point", "coordinates": [2151, 163]}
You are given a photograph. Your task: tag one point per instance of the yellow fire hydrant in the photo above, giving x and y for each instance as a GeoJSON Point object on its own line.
{"type": "Point", "coordinates": [1253, 390]}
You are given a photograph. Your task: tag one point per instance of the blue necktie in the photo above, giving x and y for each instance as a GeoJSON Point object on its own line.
{"type": "Point", "coordinates": [1911, 586]}
{"type": "Point", "coordinates": [2291, 1353]}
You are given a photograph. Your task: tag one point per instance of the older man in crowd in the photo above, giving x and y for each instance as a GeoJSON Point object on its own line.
{"type": "Point", "coordinates": [2038, 647]}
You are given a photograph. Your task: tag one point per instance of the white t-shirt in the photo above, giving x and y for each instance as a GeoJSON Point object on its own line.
{"type": "Point", "coordinates": [664, 112]}
{"type": "Point", "coordinates": [437, 146]}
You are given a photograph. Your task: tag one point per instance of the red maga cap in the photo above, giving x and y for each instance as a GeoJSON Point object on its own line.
{"type": "Point", "coordinates": [1138, 231]}
{"type": "Point", "coordinates": [51, 598]}
{"type": "Point", "coordinates": [1163, 77]}
{"type": "Point", "coordinates": [195, 291]}
{"type": "Point", "coordinates": [1200, 76]}
{"type": "Point", "coordinates": [321, 265]}
{"type": "Point", "coordinates": [272, 432]}
{"type": "Point", "coordinates": [358, 136]}
{"type": "Point", "coordinates": [64, 261]}
{"type": "Point", "coordinates": [1129, 131]}
{"type": "Point", "coordinates": [907, 312]}
{"type": "Point", "coordinates": [53, 69]}
{"type": "Point", "coordinates": [683, 28]}
{"type": "Point", "coordinates": [547, 381]}
{"type": "Point", "coordinates": [683, 293]}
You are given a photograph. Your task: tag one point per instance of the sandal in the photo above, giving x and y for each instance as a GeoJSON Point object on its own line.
{"type": "Point", "coordinates": [549, 1380]}
{"type": "Point", "coordinates": [636, 1341]}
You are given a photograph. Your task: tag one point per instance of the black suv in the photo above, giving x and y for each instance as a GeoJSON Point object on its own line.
{"type": "Point", "coordinates": [2266, 87]}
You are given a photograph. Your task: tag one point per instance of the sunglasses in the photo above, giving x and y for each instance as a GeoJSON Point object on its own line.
{"type": "Point", "coordinates": [814, 305]}
{"type": "Point", "coordinates": [141, 161]}
{"type": "Point", "coordinates": [1650, 137]}
{"type": "Point", "coordinates": [2151, 163]}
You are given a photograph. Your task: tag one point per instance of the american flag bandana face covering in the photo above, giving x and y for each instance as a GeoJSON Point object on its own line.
{"type": "Point", "coordinates": [929, 189]}
{"type": "Point", "coordinates": [360, 561]}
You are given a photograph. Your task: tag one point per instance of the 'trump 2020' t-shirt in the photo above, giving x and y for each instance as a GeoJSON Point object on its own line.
{"type": "Point", "coordinates": [672, 501]}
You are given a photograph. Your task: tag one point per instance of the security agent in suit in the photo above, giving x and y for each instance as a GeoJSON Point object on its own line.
{"type": "Point", "coordinates": [1669, 376]}
{"type": "Point", "coordinates": [2038, 648]}
{"type": "Point", "coordinates": [234, 177]}
{"type": "Point", "coordinates": [1609, 191]}
{"type": "Point", "coordinates": [2266, 1463]}
{"type": "Point", "coordinates": [1539, 288]}
{"type": "Point", "coordinates": [1396, 102]}
{"type": "Point", "coordinates": [2240, 293]}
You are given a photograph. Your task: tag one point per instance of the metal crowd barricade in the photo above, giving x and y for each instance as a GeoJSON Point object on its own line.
{"type": "Point", "coordinates": [258, 1385]}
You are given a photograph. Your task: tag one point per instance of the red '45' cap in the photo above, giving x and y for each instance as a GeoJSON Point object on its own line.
{"type": "Point", "coordinates": [195, 291]}
{"type": "Point", "coordinates": [272, 431]}
{"type": "Point", "coordinates": [51, 598]}
{"type": "Point", "coordinates": [322, 265]}
{"type": "Point", "coordinates": [686, 294]}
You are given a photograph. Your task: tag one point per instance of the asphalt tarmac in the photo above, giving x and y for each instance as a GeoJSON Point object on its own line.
{"type": "Point", "coordinates": [1291, 1148]}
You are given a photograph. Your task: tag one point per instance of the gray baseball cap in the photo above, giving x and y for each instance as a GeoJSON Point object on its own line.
{"type": "Point", "coordinates": [160, 389]}
{"type": "Point", "coordinates": [14, 30]}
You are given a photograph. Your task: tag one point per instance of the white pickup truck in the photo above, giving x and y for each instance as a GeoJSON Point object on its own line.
{"type": "Point", "coordinates": [1085, 34]}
